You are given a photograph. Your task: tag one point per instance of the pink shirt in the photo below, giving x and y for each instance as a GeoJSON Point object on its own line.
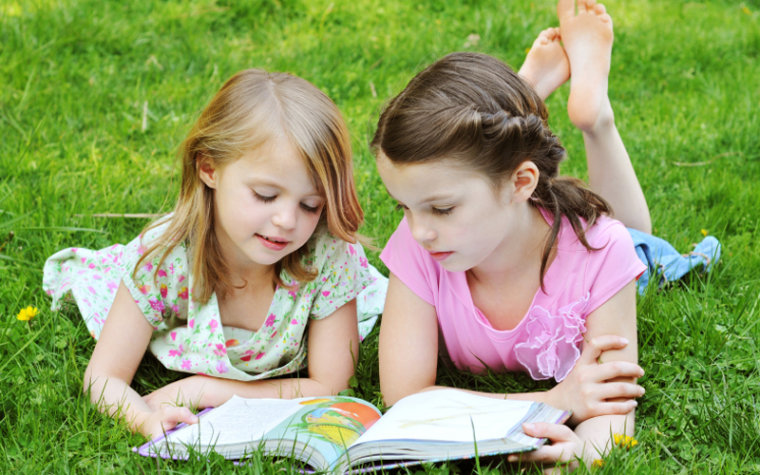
{"type": "Point", "coordinates": [547, 341]}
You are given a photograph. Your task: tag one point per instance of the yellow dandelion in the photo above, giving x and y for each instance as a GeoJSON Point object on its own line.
{"type": "Point", "coordinates": [598, 463]}
{"type": "Point", "coordinates": [625, 441]}
{"type": "Point", "coordinates": [27, 313]}
{"type": "Point", "coordinates": [746, 10]}
{"type": "Point", "coordinates": [703, 231]}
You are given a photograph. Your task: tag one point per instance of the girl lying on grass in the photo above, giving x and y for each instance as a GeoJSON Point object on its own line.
{"type": "Point", "coordinates": [512, 266]}
{"type": "Point", "coordinates": [254, 275]}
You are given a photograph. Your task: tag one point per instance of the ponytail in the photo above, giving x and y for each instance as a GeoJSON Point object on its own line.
{"type": "Point", "coordinates": [475, 109]}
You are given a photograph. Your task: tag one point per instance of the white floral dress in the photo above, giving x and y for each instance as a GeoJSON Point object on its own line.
{"type": "Point", "coordinates": [189, 337]}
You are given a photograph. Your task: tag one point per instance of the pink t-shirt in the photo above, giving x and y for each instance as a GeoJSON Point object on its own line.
{"type": "Point", "coordinates": [547, 341]}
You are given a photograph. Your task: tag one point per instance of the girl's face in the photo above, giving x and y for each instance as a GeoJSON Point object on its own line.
{"type": "Point", "coordinates": [454, 213]}
{"type": "Point", "coordinates": [266, 204]}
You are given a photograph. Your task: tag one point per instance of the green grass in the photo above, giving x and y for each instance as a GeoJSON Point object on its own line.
{"type": "Point", "coordinates": [96, 96]}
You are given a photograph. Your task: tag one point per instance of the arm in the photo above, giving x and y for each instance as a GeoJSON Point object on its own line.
{"type": "Point", "coordinates": [125, 336]}
{"type": "Point", "coordinates": [333, 345]}
{"type": "Point", "coordinates": [408, 353]}
{"type": "Point", "coordinates": [591, 438]}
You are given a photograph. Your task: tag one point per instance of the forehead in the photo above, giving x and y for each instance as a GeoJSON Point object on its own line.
{"type": "Point", "coordinates": [276, 161]}
{"type": "Point", "coordinates": [426, 181]}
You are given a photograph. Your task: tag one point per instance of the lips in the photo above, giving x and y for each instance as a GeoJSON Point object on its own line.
{"type": "Point", "coordinates": [440, 256]}
{"type": "Point", "coordinates": [271, 242]}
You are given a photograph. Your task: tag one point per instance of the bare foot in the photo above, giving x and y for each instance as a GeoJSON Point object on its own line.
{"type": "Point", "coordinates": [587, 37]}
{"type": "Point", "coordinates": [546, 66]}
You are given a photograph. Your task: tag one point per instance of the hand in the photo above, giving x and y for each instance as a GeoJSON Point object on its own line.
{"type": "Point", "coordinates": [184, 392]}
{"type": "Point", "coordinates": [588, 390]}
{"type": "Point", "coordinates": [565, 446]}
{"type": "Point", "coordinates": [164, 419]}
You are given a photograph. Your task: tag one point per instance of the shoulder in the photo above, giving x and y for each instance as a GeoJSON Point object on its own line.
{"type": "Point", "coordinates": [326, 249]}
{"type": "Point", "coordinates": [604, 232]}
{"type": "Point", "coordinates": [171, 266]}
{"type": "Point", "coordinates": [412, 264]}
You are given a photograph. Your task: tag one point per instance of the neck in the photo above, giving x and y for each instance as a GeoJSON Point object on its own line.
{"type": "Point", "coordinates": [519, 254]}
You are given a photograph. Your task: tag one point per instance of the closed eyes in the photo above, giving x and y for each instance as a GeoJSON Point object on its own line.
{"type": "Point", "coordinates": [304, 206]}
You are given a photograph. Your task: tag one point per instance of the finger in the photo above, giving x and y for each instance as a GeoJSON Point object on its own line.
{"type": "Point", "coordinates": [596, 346]}
{"type": "Point", "coordinates": [554, 432]}
{"type": "Point", "coordinates": [613, 408]}
{"type": "Point", "coordinates": [620, 390]}
{"type": "Point", "coordinates": [174, 415]}
{"type": "Point", "coordinates": [618, 369]}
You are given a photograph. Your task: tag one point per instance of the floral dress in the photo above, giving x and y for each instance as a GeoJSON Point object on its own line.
{"type": "Point", "coordinates": [189, 336]}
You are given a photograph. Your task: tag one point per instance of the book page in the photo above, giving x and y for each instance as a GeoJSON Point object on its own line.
{"type": "Point", "coordinates": [237, 421]}
{"type": "Point", "coordinates": [448, 415]}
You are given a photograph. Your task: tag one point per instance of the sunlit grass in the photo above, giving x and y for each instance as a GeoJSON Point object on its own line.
{"type": "Point", "coordinates": [96, 96]}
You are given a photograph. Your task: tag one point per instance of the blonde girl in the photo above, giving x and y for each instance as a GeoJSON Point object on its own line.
{"type": "Point", "coordinates": [500, 263]}
{"type": "Point", "coordinates": [256, 273]}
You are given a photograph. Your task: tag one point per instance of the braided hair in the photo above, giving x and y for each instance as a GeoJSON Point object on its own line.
{"type": "Point", "coordinates": [475, 109]}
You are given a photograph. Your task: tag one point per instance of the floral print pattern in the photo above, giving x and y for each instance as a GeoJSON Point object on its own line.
{"type": "Point", "coordinates": [190, 337]}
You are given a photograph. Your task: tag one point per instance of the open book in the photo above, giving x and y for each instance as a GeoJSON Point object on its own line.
{"type": "Point", "coordinates": [340, 433]}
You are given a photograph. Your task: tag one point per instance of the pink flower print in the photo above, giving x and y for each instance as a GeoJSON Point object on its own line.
{"type": "Point", "coordinates": [173, 336]}
{"type": "Point", "coordinates": [91, 265]}
{"type": "Point", "coordinates": [183, 293]}
{"type": "Point", "coordinates": [270, 320]}
{"type": "Point", "coordinates": [181, 278]}
{"type": "Point", "coordinates": [144, 289]}
{"type": "Point", "coordinates": [164, 290]}
{"type": "Point", "coordinates": [186, 364]}
{"type": "Point", "coordinates": [260, 355]}
{"type": "Point", "coordinates": [221, 367]}
{"type": "Point", "coordinates": [191, 323]}
{"type": "Point", "coordinates": [112, 286]}
{"type": "Point", "coordinates": [212, 325]}
{"type": "Point", "coordinates": [148, 266]}
{"type": "Point", "coordinates": [156, 305]}
{"type": "Point", "coordinates": [247, 355]}
{"type": "Point", "coordinates": [161, 273]}
{"type": "Point", "coordinates": [141, 249]}
{"type": "Point", "coordinates": [351, 250]}
{"type": "Point", "coordinates": [175, 352]}
{"type": "Point", "coordinates": [292, 294]}
{"type": "Point", "coordinates": [325, 293]}
{"type": "Point", "coordinates": [220, 350]}
{"type": "Point", "coordinates": [92, 291]}
{"type": "Point", "coordinates": [363, 262]}
{"type": "Point", "coordinates": [171, 268]}
{"type": "Point", "coordinates": [294, 322]}
{"type": "Point", "coordinates": [175, 309]}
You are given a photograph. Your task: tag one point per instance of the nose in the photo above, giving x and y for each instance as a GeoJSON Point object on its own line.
{"type": "Point", "coordinates": [421, 231]}
{"type": "Point", "coordinates": [285, 217]}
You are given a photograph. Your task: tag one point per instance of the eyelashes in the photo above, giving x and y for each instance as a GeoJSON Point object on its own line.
{"type": "Point", "coordinates": [434, 210]}
{"type": "Point", "coordinates": [304, 206]}
{"type": "Point", "coordinates": [264, 198]}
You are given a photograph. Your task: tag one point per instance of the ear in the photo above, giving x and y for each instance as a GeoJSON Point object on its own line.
{"type": "Point", "coordinates": [206, 171]}
{"type": "Point", "coordinates": [524, 181]}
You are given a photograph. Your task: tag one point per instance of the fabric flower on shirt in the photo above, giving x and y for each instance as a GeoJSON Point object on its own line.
{"type": "Point", "coordinates": [553, 343]}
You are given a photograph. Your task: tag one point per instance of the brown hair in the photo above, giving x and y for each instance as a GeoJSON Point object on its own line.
{"type": "Point", "coordinates": [252, 106]}
{"type": "Point", "coordinates": [473, 108]}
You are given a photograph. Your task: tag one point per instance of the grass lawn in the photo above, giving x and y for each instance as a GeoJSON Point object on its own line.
{"type": "Point", "coordinates": [96, 95]}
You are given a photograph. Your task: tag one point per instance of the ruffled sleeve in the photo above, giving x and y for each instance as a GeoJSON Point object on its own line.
{"type": "Point", "coordinates": [343, 273]}
{"type": "Point", "coordinates": [160, 289]}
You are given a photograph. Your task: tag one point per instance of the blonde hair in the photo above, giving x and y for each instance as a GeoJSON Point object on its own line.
{"type": "Point", "coordinates": [252, 106]}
